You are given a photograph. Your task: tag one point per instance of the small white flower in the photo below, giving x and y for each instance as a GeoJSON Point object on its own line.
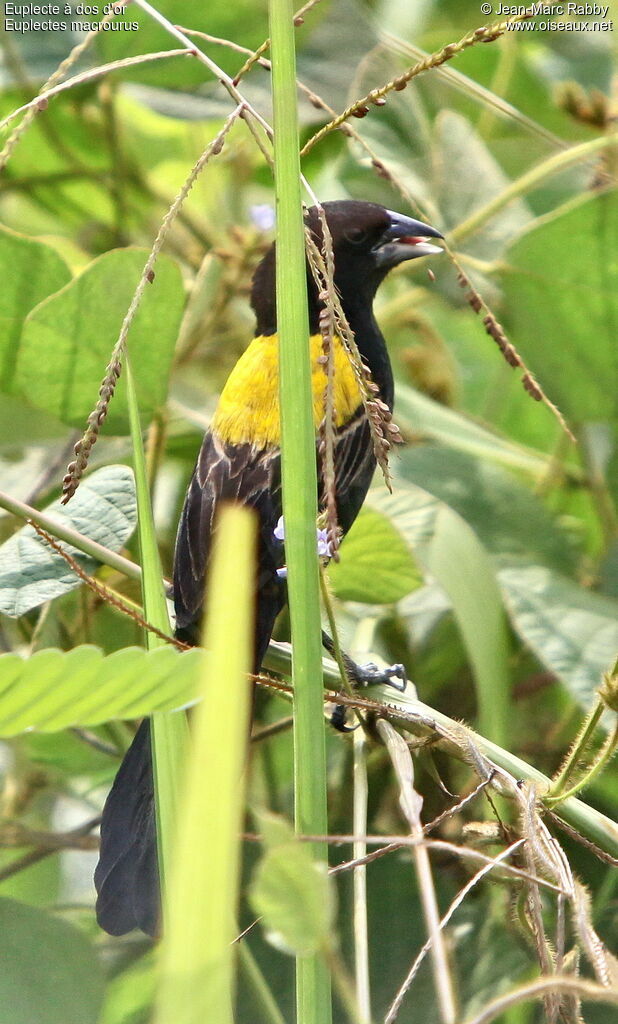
{"type": "Point", "coordinates": [323, 544]}
{"type": "Point", "coordinates": [263, 216]}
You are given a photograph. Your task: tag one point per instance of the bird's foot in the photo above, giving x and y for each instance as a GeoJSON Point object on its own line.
{"type": "Point", "coordinates": [367, 675]}
{"type": "Point", "coordinates": [370, 675]}
{"type": "Point", "coordinates": [338, 719]}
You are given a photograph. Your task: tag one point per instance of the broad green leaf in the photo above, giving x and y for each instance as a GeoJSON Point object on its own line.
{"type": "Point", "coordinates": [573, 632]}
{"type": "Point", "coordinates": [468, 176]}
{"type": "Point", "coordinates": [49, 972]}
{"type": "Point", "coordinates": [451, 552]}
{"type": "Point", "coordinates": [41, 884]}
{"type": "Point", "coordinates": [411, 510]}
{"type": "Point", "coordinates": [29, 271]}
{"type": "Point", "coordinates": [507, 517]}
{"type": "Point", "coordinates": [71, 335]}
{"type": "Point", "coordinates": [103, 509]}
{"type": "Point", "coordinates": [561, 291]}
{"type": "Point", "coordinates": [295, 897]}
{"type": "Point", "coordinates": [376, 565]}
{"type": "Point", "coordinates": [20, 424]}
{"type": "Point", "coordinates": [274, 828]}
{"type": "Point", "coordinates": [55, 689]}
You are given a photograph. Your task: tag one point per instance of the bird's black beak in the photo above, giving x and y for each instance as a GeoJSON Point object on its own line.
{"type": "Point", "coordinates": [404, 239]}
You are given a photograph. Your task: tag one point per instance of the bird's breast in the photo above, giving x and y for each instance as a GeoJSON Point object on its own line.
{"type": "Point", "coordinates": [248, 409]}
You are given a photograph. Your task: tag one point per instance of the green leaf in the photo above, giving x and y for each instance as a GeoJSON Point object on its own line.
{"type": "Point", "coordinates": [295, 897]}
{"type": "Point", "coordinates": [49, 973]}
{"type": "Point", "coordinates": [20, 424]}
{"type": "Point", "coordinates": [72, 335]}
{"type": "Point", "coordinates": [376, 565]}
{"type": "Point", "coordinates": [561, 290]}
{"type": "Point", "coordinates": [572, 632]}
{"type": "Point", "coordinates": [507, 517]}
{"type": "Point", "coordinates": [55, 689]}
{"type": "Point", "coordinates": [451, 552]}
{"type": "Point", "coordinates": [468, 177]}
{"type": "Point", "coordinates": [274, 828]}
{"type": "Point", "coordinates": [103, 509]}
{"type": "Point", "coordinates": [29, 271]}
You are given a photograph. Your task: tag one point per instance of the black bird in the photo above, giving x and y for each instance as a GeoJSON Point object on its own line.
{"type": "Point", "coordinates": [240, 461]}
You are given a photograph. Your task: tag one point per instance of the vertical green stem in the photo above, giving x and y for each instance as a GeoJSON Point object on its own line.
{"type": "Point", "coordinates": [198, 955]}
{"type": "Point", "coordinates": [361, 929]}
{"type": "Point", "coordinates": [168, 730]}
{"type": "Point", "coordinates": [299, 484]}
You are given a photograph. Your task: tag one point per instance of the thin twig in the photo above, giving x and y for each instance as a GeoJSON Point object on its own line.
{"type": "Point", "coordinates": [410, 803]}
{"type": "Point", "coordinates": [429, 827]}
{"type": "Point", "coordinates": [394, 1008]}
{"type": "Point", "coordinates": [66, 533]}
{"type": "Point", "coordinates": [250, 114]}
{"type": "Point", "coordinates": [327, 427]}
{"type": "Point", "coordinates": [299, 17]}
{"type": "Point", "coordinates": [582, 840]}
{"type": "Point", "coordinates": [508, 350]}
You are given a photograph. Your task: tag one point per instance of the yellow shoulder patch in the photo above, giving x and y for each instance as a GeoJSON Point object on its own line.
{"type": "Point", "coordinates": [248, 409]}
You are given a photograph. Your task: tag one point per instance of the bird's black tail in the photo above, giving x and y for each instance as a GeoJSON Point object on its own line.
{"type": "Point", "coordinates": [127, 875]}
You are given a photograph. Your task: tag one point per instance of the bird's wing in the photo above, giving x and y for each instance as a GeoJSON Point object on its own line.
{"type": "Point", "coordinates": [251, 476]}
{"type": "Point", "coordinates": [226, 472]}
{"type": "Point", "coordinates": [354, 467]}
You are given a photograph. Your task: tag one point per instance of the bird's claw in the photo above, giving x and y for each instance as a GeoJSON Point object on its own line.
{"type": "Point", "coordinates": [338, 722]}
{"type": "Point", "coordinates": [370, 675]}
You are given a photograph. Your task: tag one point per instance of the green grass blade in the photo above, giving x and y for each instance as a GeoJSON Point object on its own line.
{"type": "Point", "coordinates": [198, 954]}
{"type": "Point", "coordinates": [168, 730]}
{"type": "Point", "coordinates": [299, 483]}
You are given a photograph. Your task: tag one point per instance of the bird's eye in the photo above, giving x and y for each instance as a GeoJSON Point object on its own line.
{"type": "Point", "coordinates": [356, 235]}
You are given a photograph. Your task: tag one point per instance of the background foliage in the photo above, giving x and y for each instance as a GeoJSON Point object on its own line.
{"type": "Point", "coordinates": [492, 571]}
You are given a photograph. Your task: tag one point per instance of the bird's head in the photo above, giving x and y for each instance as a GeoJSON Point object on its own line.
{"type": "Point", "coordinates": [368, 241]}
